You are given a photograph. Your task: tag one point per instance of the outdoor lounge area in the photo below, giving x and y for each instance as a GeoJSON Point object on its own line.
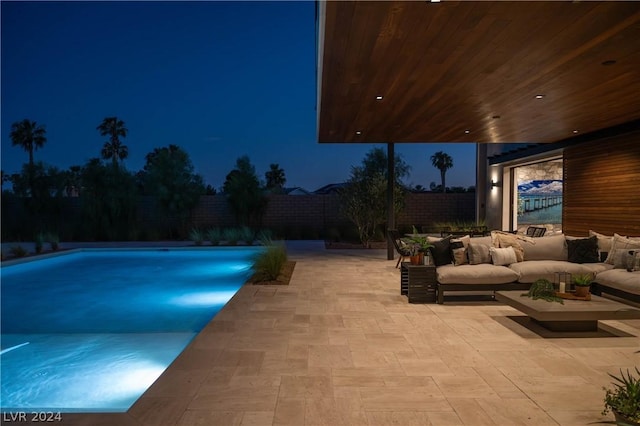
{"type": "Point", "coordinates": [341, 346]}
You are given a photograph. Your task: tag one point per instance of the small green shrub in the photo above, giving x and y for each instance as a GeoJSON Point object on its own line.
{"type": "Point", "coordinates": [214, 235]}
{"type": "Point", "coordinates": [196, 236]}
{"type": "Point", "coordinates": [265, 235]}
{"type": "Point", "coordinates": [231, 236]}
{"type": "Point", "coordinates": [246, 234]}
{"type": "Point", "coordinates": [269, 263]}
{"type": "Point", "coordinates": [543, 289]}
{"type": "Point", "coordinates": [17, 251]}
{"type": "Point", "coordinates": [53, 239]}
{"type": "Point", "coordinates": [39, 242]}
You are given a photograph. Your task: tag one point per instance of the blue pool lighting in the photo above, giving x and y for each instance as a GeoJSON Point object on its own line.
{"type": "Point", "coordinates": [90, 331]}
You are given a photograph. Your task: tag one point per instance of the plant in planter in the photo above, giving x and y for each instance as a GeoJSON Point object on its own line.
{"type": "Point", "coordinates": [417, 246]}
{"type": "Point", "coordinates": [624, 398]}
{"type": "Point", "coordinates": [583, 284]}
{"type": "Point", "coordinates": [543, 289]}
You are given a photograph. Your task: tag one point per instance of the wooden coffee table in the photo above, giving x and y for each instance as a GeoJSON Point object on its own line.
{"type": "Point", "coordinates": [574, 315]}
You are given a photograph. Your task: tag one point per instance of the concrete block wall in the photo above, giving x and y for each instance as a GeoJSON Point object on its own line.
{"type": "Point", "coordinates": [303, 212]}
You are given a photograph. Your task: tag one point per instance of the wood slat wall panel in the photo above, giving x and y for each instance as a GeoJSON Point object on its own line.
{"type": "Point", "coordinates": [602, 186]}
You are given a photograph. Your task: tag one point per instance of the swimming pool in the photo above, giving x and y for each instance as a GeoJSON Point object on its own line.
{"type": "Point", "coordinates": [92, 330]}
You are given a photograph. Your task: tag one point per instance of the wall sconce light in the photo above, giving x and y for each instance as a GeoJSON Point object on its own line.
{"type": "Point", "coordinates": [495, 184]}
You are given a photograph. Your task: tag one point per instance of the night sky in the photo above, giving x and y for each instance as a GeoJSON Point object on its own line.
{"type": "Point", "coordinates": [219, 79]}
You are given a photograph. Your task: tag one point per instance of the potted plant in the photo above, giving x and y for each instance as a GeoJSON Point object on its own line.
{"type": "Point", "coordinates": [543, 289]}
{"type": "Point", "coordinates": [583, 284]}
{"type": "Point", "coordinates": [417, 246]}
{"type": "Point", "coordinates": [624, 398]}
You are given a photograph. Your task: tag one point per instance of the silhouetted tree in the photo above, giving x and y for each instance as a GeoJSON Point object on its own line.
{"type": "Point", "coordinates": [30, 136]}
{"type": "Point", "coordinates": [244, 193]}
{"type": "Point", "coordinates": [363, 200]}
{"type": "Point", "coordinates": [72, 180]}
{"type": "Point", "coordinates": [443, 162]}
{"type": "Point", "coordinates": [210, 190]}
{"type": "Point", "coordinates": [169, 175]}
{"type": "Point", "coordinates": [458, 189]}
{"type": "Point", "coordinates": [109, 201]}
{"type": "Point", "coordinates": [113, 149]}
{"type": "Point", "coordinates": [275, 178]}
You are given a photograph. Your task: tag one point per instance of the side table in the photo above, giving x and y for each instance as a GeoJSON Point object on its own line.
{"type": "Point", "coordinates": [418, 282]}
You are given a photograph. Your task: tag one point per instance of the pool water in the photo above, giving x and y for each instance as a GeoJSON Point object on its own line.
{"type": "Point", "coordinates": [91, 331]}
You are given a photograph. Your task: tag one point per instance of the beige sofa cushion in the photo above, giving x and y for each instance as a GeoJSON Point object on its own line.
{"type": "Point", "coordinates": [622, 242]}
{"type": "Point", "coordinates": [530, 271]}
{"type": "Point", "coordinates": [553, 247]}
{"type": "Point", "coordinates": [475, 274]}
{"type": "Point", "coordinates": [604, 241]}
{"type": "Point", "coordinates": [481, 240]}
{"type": "Point", "coordinates": [505, 239]}
{"type": "Point", "coordinates": [620, 279]}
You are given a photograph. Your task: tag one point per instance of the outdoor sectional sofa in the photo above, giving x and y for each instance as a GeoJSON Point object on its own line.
{"type": "Point", "coordinates": [506, 261]}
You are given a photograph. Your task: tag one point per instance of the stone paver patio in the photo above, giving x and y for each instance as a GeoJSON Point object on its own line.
{"type": "Point", "coordinates": [341, 346]}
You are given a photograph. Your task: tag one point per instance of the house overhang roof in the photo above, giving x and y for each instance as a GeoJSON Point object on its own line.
{"type": "Point", "coordinates": [465, 71]}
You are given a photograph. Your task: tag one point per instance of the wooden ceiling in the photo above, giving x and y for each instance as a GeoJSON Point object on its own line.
{"type": "Point", "coordinates": [449, 68]}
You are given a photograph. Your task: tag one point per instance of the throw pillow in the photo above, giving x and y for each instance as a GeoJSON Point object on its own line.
{"type": "Point", "coordinates": [478, 253]}
{"type": "Point", "coordinates": [503, 256]}
{"type": "Point", "coordinates": [604, 241]}
{"type": "Point", "coordinates": [464, 240]}
{"type": "Point", "coordinates": [458, 253]}
{"type": "Point", "coordinates": [441, 252]}
{"type": "Point", "coordinates": [624, 258]}
{"type": "Point", "coordinates": [505, 239]}
{"type": "Point", "coordinates": [621, 242]}
{"type": "Point", "coordinates": [584, 250]}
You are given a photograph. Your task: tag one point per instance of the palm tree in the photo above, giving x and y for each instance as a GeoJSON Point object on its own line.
{"type": "Point", "coordinates": [443, 162]}
{"type": "Point", "coordinates": [275, 178]}
{"type": "Point", "coordinates": [113, 149]}
{"type": "Point", "coordinates": [29, 135]}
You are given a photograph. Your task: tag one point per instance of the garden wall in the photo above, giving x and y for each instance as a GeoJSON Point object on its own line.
{"type": "Point", "coordinates": [298, 216]}
{"type": "Point", "coordinates": [323, 211]}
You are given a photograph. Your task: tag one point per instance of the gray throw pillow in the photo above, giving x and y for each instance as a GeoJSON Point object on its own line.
{"type": "Point", "coordinates": [624, 259]}
{"type": "Point", "coordinates": [478, 253]}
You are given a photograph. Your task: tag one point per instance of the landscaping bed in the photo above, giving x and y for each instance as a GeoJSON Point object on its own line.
{"type": "Point", "coordinates": [283, 279]}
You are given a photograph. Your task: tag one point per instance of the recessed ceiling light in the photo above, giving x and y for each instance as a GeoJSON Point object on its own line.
{"type": "Point", "coordinates": [609, 62]}
{"type": "Point", "coordinates": [435, 1]}
{"type": "Point", "coordinates": [575, 131]}
{"type": "Point", "coordinates": [358, 132]}
{"type": "Point", "coordinates": [467, 131]}
{"type": "Point", "coordinates": [539, 96]}
{"type": "Point", "coordinates": [379, 97]}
